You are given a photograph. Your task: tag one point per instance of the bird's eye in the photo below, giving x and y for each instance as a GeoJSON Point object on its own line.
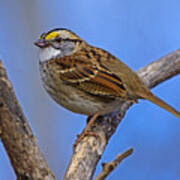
{"type": "Point", "coordinates": [58, 39]}
{"type": "Point", "coordinates": [55, 43]}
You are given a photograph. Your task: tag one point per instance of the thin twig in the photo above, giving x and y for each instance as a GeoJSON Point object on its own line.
{"type": "Point", "coordinates": [110, 166]}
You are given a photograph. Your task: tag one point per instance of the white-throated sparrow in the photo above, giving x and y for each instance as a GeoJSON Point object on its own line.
{"type": "Point", "coordinates": [86, 79]}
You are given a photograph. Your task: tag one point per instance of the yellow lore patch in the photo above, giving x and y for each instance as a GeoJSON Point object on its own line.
{"type": "Point", "coordinates": [51, 35]}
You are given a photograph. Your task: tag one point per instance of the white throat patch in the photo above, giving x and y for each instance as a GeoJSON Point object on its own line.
{"type": "Point", "coordinates": [48, 53]}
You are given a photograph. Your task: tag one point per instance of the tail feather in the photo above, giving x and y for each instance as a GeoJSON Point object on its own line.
{"type": "Point", "coordinates": [154, 99]}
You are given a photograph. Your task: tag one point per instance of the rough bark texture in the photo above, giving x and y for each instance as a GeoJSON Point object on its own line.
{"type": "Point", "coordinates": [88, 152]}
{"type": "Point", "coordinates": [17, 137]}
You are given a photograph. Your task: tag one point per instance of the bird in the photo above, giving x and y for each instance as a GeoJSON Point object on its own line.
{"type": "Point", "coordinates": [86, 79]}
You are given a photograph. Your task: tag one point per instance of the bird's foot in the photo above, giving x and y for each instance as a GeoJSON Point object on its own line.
{"type": "Point", "coordinates": [87, 131]}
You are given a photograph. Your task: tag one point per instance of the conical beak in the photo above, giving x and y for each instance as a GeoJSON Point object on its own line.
{"type": "Point", "coordinates": [41, 43]}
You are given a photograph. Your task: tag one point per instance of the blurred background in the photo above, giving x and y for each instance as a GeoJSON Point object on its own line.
{"type": "Point", "coordinates": [138, 32]}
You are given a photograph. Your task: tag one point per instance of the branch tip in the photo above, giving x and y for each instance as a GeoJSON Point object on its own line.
{"type": "Point", "coordinates": [110, 166]}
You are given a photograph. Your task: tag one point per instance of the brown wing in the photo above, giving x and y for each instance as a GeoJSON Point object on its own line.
{"type": "Point", "coordinates": [91, 78]}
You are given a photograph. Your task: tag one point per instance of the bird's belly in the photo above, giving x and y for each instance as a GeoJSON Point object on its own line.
{"type": "Point", "coordinates": [74, 99]}
{"type": "Point", "coordinates": [67, 96]}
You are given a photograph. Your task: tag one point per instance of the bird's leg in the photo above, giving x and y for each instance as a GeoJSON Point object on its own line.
{"type": "Point", "coordinates": [86, 131]}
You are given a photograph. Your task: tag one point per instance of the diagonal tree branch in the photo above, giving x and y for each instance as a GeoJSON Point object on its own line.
{"type": "Point", "coordinates": [17, 138]}
{"type": "Point", "coordinates": [88, 152]}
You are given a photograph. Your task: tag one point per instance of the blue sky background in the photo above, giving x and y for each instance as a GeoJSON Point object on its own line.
{"type": "Point", "coordinates": [137, 32]}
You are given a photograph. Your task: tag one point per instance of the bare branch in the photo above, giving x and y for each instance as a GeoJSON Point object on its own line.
{"type": "Point", "coordinates": [110, 166]}
{"type": "Point", "coordinates": [17, 137]}
{"type": "Point", "coordinates": [88, 152]}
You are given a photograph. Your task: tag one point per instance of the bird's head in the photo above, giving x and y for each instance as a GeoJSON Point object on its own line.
{"type": "Point", "coordinates": [58, 42]}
